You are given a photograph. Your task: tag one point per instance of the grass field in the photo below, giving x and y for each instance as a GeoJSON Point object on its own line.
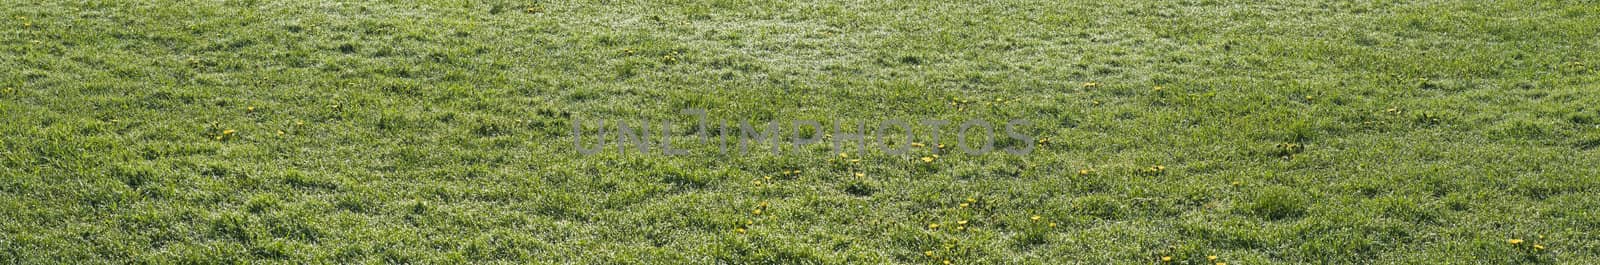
{"type": "Point", "coordinates": [1340, 132]}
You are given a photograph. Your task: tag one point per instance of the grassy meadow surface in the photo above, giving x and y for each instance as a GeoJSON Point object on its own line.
{"type": "Point", "coordinates": [1413, 132]}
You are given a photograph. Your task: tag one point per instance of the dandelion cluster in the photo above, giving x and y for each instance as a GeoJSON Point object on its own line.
{"type": "Point", "coordinates": [1155, 170]}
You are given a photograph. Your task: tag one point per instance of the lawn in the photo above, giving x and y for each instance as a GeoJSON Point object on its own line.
{"type": "Point", "coordinates": [1162, 132]}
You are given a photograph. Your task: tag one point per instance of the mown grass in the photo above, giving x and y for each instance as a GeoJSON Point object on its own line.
{"type": "Point", "coordinates": [439, 132]}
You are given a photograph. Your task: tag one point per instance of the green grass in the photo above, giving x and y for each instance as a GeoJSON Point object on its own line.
{"type": "Point", "coordinates": [439, 132]}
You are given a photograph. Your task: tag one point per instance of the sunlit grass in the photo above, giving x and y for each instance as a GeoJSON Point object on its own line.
{"type": "Point", "coordinates": [1171, 132]}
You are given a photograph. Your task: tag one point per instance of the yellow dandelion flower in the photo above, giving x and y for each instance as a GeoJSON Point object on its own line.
{"type": "Point", "coordinates": [280, 132]}
{"type": "Point", "coordinates": [1158, 89]}
{"type": "Point", "coordinates": [858, 175]}
{"type": "Point", "coordinates": [927, 159]}
{"type": "Point", "coordinates": [250, 109]}
{"type": "Point", "coordinates": [961, 228]}
{"type": "Point", "coordinates": [1035, 217]}
{"type": "Point", "coordinates": [1222, 263]}
{"type": "Point", "coordinates": [1166, 258]}
{"type": "Point", "coordinates": [1052, 224]}
{"type": "Point", "coordinates": [962, 222]}
{"type": "Point", "coordinates": [756, 212]}
{"type": "Point", "coordinates": [927, 253]}
{"type": "Point", "coordinates": [1212, 257]}
{"type": "Point", "coordinates": [1083, 172]}
{"type": "Point", "coordinates": [738, 230]}
{"type": "Point", "coordinates": [964, 205]}
{"type": "Point", "coordinates": [843, 155]}
{"type": "Point", "coordinates": [916, 144]}
{"type": "Point", "coordinates": [946, 262]}
{"type": "Point", "coordinates": [970, 199]}
{"type": "Point", "coordinates": [228, 132]}
{"type": "Point", "coordinates": [1514, 241]}
{"type": "Point", "coordinates": [1091, 84]}
{"type": "Point", "coordinates": [933, 226]}
{"type": "Point", "coordinates": [1538, 246]}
